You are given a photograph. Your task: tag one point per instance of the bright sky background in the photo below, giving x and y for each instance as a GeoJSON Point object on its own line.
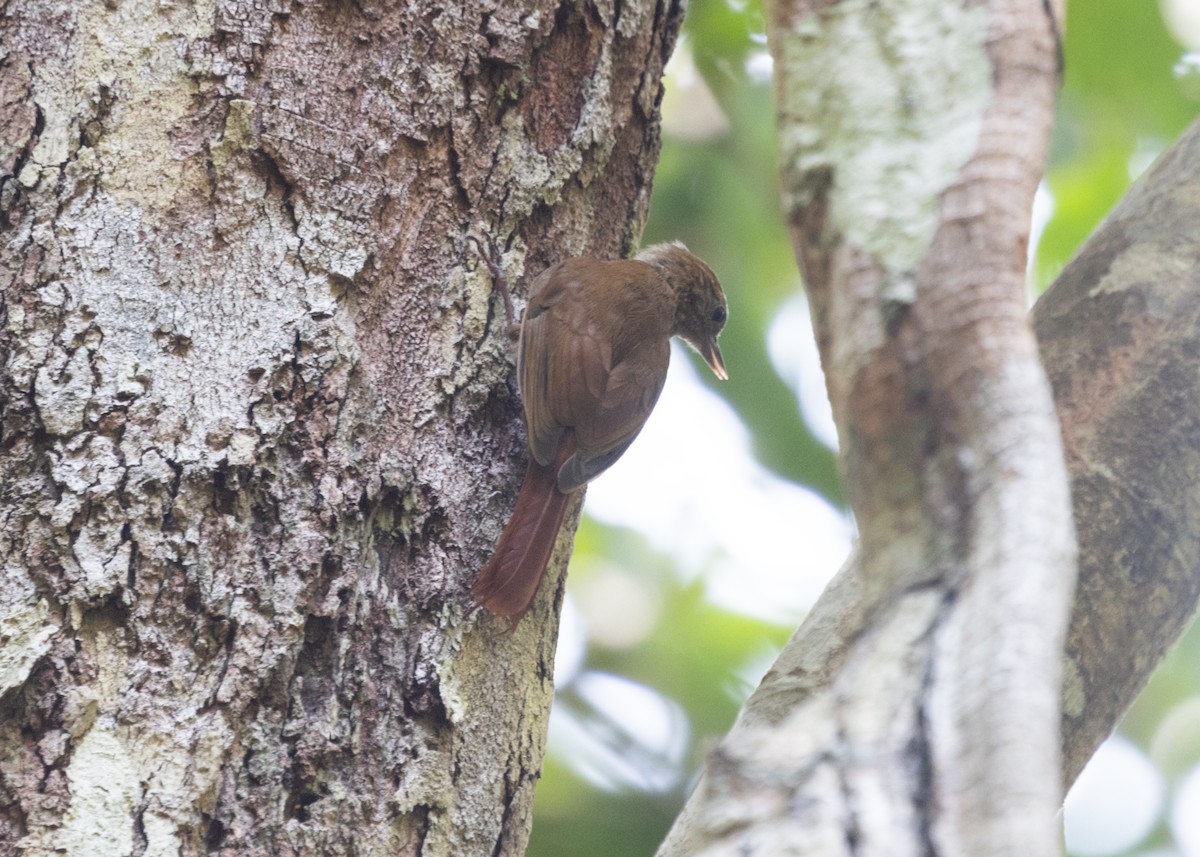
{"type": "Point", "coordinates": [691, 484]}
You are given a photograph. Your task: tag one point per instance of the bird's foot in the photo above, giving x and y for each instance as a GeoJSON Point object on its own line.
{"type": "Point", "coordinates": [491, 259]}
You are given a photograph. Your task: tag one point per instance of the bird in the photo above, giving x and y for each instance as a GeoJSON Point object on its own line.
{"type": "Point", "coordinates": [592, 356]}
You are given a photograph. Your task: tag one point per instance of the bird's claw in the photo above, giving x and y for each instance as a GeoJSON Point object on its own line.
{"type": "Point", "coordinates": [491, 259]}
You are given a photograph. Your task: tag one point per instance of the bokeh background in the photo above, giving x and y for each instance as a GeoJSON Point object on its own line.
{"type": "Point", "coordinates": [703, 548]}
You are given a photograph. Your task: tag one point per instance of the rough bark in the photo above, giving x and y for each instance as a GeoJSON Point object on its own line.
{"type": "Point", "coordinates": [1120, 334]}
{"type": "Point", "coordinates": [257, 425]}
{"type": "Point", "coordinates": [920, 714]}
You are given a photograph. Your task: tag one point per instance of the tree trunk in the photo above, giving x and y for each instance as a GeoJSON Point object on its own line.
{"type": "Point", "coordinates": [1119, 331]}
{"type": "Point", "coordinates": [258, 426]}
{"type": "Point", "coordinates": [916, 711]}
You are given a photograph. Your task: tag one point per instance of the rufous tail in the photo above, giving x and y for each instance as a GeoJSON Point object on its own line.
{"type": "Point", "coordinates": [510, 579]}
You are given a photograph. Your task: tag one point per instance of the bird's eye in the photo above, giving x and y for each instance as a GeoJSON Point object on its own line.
{"type": "Point", "coordinates": [718, 315]}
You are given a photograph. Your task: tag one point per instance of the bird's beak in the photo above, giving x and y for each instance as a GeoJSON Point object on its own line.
{"type": "Point", "coordinates": [712, 356]}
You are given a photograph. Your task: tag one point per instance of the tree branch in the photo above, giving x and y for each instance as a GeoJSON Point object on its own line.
{"type": "Point", "coordinates": [916, 710]}
{"type": "Point", "coordinates": [1120, 333]}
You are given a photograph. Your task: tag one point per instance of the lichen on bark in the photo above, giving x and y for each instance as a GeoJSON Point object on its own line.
{"type": "Point", "coordinates": [258, 427]}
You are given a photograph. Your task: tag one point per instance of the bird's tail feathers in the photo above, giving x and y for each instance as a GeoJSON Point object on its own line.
{"type": "Point", "coordinates": [507, 584]}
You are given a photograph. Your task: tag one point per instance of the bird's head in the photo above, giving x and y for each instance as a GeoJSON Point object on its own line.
{"type": "Point", "coordinates": [700, 307]}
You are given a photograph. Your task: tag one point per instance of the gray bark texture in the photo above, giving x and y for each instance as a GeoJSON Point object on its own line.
{"type": "Point", "coordinates": [1119, 332]}
{"type": "Point", "coordinates": [916, 711]}
{"type": "Point", "coordinates": [1120, 335]}
{"type": "Point", "coordinates": [258, 429]}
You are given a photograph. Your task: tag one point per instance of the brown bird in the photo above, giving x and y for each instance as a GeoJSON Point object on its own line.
{"type": "Point", "coordinates": [591, 361]}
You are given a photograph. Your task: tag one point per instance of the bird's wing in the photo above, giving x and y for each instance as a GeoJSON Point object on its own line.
{"type": "Point", "coordinates": [618, 414]}
{"type": "Point", "coordinates": [544, 330]}
{"type": "Point", "coordinates": [593, 356]}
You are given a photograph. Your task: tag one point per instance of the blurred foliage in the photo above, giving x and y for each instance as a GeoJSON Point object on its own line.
{"type": "Point", "coordinates": [1123, 100]}
{"type": "Point", "coordinates": [1121, 103]}
{"type": "Point", "coordinates": [721, 198]}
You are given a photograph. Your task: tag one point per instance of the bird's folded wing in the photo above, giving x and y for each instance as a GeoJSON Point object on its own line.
{"type": "Point", "coordinates": [617, 415]}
